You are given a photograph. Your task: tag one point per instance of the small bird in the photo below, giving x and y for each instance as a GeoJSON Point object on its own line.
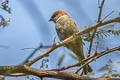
{"type": "Point", "coordinates": [66, 27]}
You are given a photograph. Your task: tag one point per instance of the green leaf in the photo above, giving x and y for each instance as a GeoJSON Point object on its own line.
{"type": "Point", "coordinates": [61, 58]}
{"type": "Point", "coordinates": [116, 75]}
{"type": "Point", "coordinates": [106, 75]}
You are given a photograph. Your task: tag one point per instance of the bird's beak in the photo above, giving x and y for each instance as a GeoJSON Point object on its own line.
{"type": "Point", "coordinates": [50, 19]}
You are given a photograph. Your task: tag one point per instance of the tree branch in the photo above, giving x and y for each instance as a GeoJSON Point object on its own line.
{"type": "Point", "coordinates": [11, 70]}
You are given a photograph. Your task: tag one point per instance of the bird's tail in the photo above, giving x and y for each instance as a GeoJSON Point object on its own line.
{"type": "Point", "coordinates": [87, 69]}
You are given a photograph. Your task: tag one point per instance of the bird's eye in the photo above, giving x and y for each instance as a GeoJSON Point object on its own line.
{"type": "Point", "coordinates": [53, 15]}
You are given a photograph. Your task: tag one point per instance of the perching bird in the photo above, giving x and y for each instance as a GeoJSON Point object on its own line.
{"type": "Point", "coordinates": [66, 27]}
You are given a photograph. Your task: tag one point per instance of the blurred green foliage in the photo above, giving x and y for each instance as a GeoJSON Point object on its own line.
{"type": "Point", "coordinates": [4, 6]}
{"type": "Point", "coordinates": [109, 70]}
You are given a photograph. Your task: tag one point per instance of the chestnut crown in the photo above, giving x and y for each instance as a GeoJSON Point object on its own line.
{"type": "Point", "coordinates": [56, 15]}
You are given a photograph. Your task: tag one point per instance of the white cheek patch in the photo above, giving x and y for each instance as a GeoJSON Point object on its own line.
{"type": "Point", "coordinates": [61, 17]}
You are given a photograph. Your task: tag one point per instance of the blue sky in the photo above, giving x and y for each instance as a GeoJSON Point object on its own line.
{"type": "Point", "coordinates": [29, 27]}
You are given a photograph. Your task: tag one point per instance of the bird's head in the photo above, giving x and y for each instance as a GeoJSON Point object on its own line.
{"type": "Point", "coordinates": [57, 15]}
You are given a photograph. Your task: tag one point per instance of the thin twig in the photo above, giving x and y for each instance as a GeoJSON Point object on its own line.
{"type": "Point", "coordinates": [98, 21]}
{"type": "Point", "coordinates": [107, 15]}
{"type": "Point", "coordinates": [43, 47]}
{"type": "Point", "coordinates": [66, 67]}
{"type": "Point", "coordinates": [34, 51]}
{"type": "Point", "coordinates": [100, 12]}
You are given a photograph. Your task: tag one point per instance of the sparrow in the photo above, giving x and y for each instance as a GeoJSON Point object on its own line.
{"type": "Point", "coordinates": [66, 27]}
